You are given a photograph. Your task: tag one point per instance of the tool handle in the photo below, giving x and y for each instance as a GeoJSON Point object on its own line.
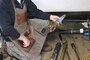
{"type": "Point", "coordinates": [61, 19]}
{"type": "Point", "coordinates": [57, 48]}
{"type": "Point", "coordinates": [56, 51]}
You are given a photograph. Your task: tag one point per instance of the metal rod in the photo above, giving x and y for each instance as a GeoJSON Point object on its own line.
{"type": "Point", "coordinates": [68, 20]}
{"type": "Point", "coordinates": [68, 55]}
{"type": "Point", "coordinates": [64, 49]}
{"type": "Point", "coordinates": [74, 48]}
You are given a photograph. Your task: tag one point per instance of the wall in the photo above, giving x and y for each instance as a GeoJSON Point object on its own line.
{"type": "Point", "coordinates": [63, 5]}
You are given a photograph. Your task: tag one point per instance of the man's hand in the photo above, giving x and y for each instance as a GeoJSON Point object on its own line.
{"type": "Point", "coordinates": [26, 42]}
{"type": "Point", "coordinates": [54, 18]}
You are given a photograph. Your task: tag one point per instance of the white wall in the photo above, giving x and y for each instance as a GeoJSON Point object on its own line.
{"type": "Point", "coordinates": [63, 5]}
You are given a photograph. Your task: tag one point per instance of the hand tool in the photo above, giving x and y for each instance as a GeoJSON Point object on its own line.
{"type": "Point", "coordinates": [75, 50]}
{"type": "Point", "coordinates": [52, 25]}
{"type": "Point", "coordinates": [65, 47]}
{"type": "Point", "coordinates": [64, 51]}
{"type": "Point", "coordinates": [56, 51]}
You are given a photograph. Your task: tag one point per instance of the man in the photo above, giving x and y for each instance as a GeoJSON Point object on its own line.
{"type": "Point", "coordinates": [12, 15]}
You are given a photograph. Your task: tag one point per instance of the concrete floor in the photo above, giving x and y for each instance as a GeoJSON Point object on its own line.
{"type": "Point", "coordinates": [82, 44]}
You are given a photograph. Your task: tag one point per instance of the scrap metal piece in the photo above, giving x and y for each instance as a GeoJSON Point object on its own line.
{"type": "Point", "coordinates": [56, 51]}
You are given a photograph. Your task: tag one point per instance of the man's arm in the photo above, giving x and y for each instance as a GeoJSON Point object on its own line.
{"type": "Point", "coordinates": [6, 22]}
{"type": "Point", "coordinates": [8, 30]}
{"type": "Point", "coordinates": [33, 11]}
